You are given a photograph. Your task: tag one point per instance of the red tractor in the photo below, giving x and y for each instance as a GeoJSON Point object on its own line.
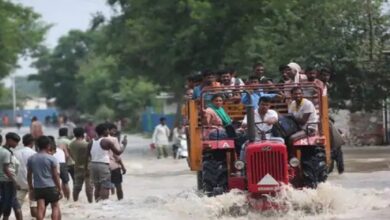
{"type": "Point", "coordinates": [264, 166]}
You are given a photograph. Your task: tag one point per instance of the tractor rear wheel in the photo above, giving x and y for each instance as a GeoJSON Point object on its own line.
{"type": "Point", "coordinates": [214, 173]}
{"type": "Point", "coordinates": [314, 166]}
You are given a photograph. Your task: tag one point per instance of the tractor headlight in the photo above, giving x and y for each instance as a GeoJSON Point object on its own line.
{"type": "Point", "coordinates": [294, 162]}
{"type": "Point", "coordinates": [239, 164]}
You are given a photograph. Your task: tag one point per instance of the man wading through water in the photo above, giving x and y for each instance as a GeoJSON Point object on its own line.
{"type": "Point", "coordinates": [160, 138]}
{"type": "Point", "coordinates": [78, 150]}
{"type": "Point", "coordinates": [99, 150]}
{"type": "Point", "coordinates": [8, 185]}
{"type": "Point", "coordinates": [43, 179]}
{"type": "Point", "coordinates": [117, 167]}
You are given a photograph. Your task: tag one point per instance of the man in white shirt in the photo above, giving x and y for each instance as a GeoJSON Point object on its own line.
{"type": "Point", "coordinates": [19, 121]}
{"type": "Point", "coordinates": [303, 110]}
{"type": "Point", "coordinates": [264, 117]}
{"type": "Point", "coordinates": [226, 78]}
{"type": "Point", "coordinates": [177, 135]}
{"type": "Point", "coordinates": [63, 142]}
{"type": "Point", "coordinates": [22, 154]}
{"type": "Point", "coordinates": [160, 138]}
{"type": "Point", "coordinates": [304, 114]}
{"type": "Point", "coordinates": [60, 155]}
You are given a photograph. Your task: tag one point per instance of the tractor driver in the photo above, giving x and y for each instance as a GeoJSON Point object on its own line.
{"type": "Point", "coordinates": [265, 118]}
{"type": "Point", "coordinates": [304, 114]}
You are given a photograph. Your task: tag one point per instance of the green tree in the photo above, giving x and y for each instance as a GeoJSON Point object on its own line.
{"type": "Point", "coordinates": [171, 39]}
{"type": "Point", "coordinates": [99, 87]}
{"type": "Point", "coordinates": [21, 32]}
{"type": "Point", "coordinates": [117, 64]}
{"type": "Point", "coordinates": [57, 69]}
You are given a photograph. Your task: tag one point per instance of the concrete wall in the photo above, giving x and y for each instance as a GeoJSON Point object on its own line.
{"type": "Point", "coordinates": [360, 128]}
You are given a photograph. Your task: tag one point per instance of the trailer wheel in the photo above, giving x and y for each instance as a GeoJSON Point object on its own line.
{"type": "Point", "coordinates": [214, 173]}
{"type": "Point", "coordinates": [314, 166]}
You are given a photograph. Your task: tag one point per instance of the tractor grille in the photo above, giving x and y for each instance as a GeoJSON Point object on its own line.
{"type": "Point", "coordinates": [264, 162]}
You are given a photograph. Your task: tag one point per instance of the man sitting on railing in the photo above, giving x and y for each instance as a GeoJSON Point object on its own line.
{"type": "Point", "coordinates": [304, 114]}
{"type": "Point", "coordinates": [225, 77]}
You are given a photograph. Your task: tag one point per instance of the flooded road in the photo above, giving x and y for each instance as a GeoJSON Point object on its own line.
{"type": "Point", "coordinates": [367, 159]}
{"type": "Point", "coordinates": [165, 189]}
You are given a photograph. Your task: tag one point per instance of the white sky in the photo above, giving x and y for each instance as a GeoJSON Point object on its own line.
{"type": "Point", "coordinates": [64, 15]}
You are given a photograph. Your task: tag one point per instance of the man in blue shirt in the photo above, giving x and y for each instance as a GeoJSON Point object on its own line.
{"type": "Point", "coordinates": [256, 94]}
{"type": "Point", "coordinates": [209, 80]}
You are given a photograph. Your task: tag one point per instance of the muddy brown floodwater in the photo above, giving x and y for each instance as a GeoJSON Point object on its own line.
{"type": "Point", "coordinates": [166, 190]}
{"type": "Point", "coordinates": [367, 159]}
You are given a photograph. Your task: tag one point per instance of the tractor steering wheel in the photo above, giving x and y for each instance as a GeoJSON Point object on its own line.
{"type": "Point", "coordinates": [262, 132]}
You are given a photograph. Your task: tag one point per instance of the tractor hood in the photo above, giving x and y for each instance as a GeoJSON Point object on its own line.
{"type": "Point", "coordinates": [266, 166]}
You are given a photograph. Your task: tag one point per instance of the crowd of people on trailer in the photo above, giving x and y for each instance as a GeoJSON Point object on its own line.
{"type": "Point", "coordinates": [302, 110]}
{"type": "Point", "coordinates": [41, 170]}
{"type": "Point", "coordinates": [290, 73]}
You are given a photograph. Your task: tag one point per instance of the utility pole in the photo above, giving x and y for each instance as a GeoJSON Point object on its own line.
{"type": "Point", "coordinates": [386, 121]}
{"type": "Point", "coordinates": [370, 30]}
{"type": "Point", "coordinates": [13, 98]}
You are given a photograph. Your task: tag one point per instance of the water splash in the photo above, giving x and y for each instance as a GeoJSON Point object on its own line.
{"type": "Point", "coordinates": [328, 201]}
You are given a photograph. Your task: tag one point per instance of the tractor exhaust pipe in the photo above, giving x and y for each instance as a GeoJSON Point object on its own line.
{"type": "Point", "coordinates": [250, 118]}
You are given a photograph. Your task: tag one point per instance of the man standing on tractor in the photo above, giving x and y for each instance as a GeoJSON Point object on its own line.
{"type": "Point", "coordinates": [325, 75]}
{"type": "Point", "coordinates": [312, 75]}
{"type": "Point", "coordinates": [160, 138]}
{"type": "Point", "coordinates": [226, 81]}
{"type": "Point", "coordinates": [284, 77]}
{"type": "Point", "coordinates": [209, 79]}
{"type": "Point", "coordinates": [294, 72]}
{"type": "Point", "coordinates": [259, 71]}
{"type": "Point", "coordinates": [336, 137]}
{"type": "Point", "coordinates": [235, 80]}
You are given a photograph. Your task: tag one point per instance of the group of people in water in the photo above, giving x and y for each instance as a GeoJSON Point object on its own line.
{"type": "Point", "coordinates": [44, 166]}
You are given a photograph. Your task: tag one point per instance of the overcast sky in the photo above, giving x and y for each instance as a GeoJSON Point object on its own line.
{"type": "Point", "coordinates": [64, 15]}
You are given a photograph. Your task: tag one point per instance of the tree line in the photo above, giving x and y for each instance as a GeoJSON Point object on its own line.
{"type": "Point", "coordinates": [116, 67]}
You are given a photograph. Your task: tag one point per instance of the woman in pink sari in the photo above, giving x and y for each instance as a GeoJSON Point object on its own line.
{"type": "Point", "coordinates": [216, 118]}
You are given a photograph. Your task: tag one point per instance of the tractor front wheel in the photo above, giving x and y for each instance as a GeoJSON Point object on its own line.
{"type": "Point", "coordinates": [314, 166]}
{"type": "Point", "coordinates": [214, 173]}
